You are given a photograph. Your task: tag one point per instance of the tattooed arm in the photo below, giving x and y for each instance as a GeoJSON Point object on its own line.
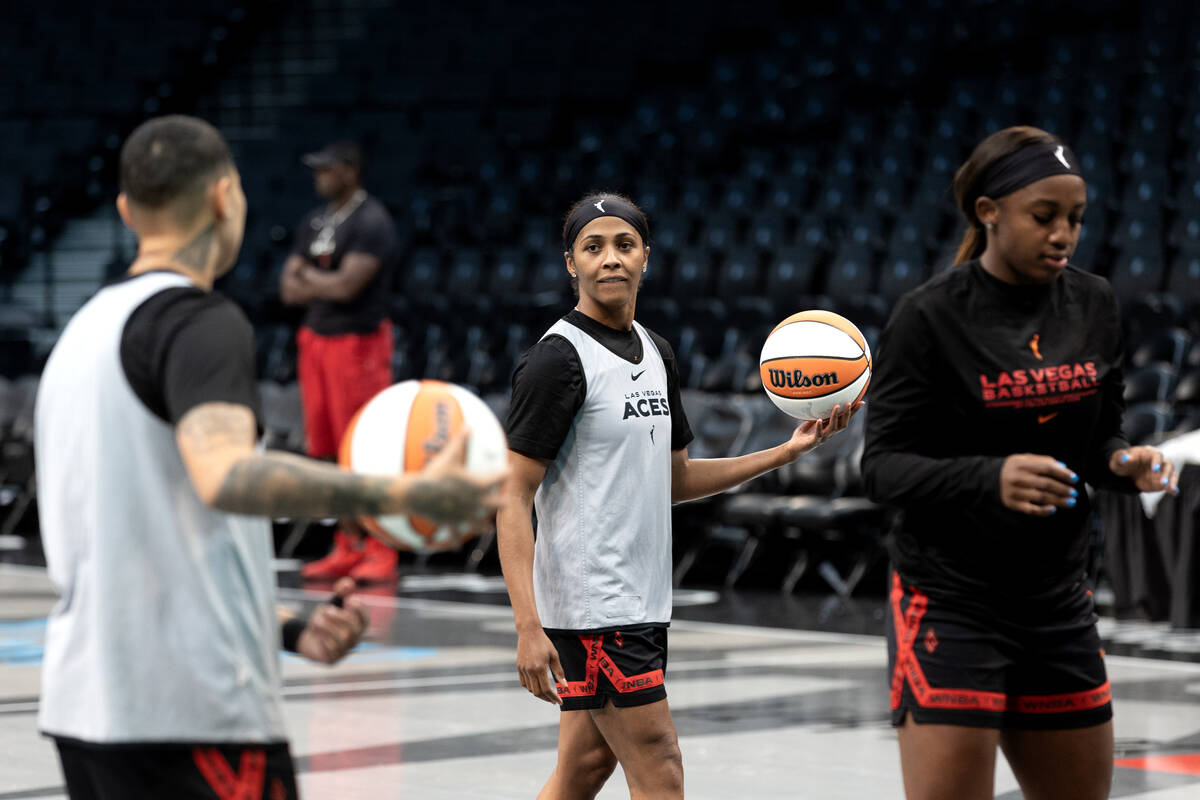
{"type": "Point", "coordinates": [216, 441]}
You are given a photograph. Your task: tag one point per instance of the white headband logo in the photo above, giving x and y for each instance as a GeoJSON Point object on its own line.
{"type": "Point", "coordinates": [1058, 153]}
{"type": "Point", "coordinates": [599, 204]}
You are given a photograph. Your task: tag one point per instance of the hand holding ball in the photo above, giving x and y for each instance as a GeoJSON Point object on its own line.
{"type": "Point", "coordinates": [813, 361]}
{"type": "Point", "coordinates": [403, 429]}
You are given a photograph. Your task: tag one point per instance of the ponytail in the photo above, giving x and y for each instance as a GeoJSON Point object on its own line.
{"type": "Point", "coordinates": [971, 246]}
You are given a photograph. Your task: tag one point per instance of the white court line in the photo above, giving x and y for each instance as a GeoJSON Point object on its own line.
{"type": "Point", "coordinates": [9, 708]}
{"type": "Point", "coordinates": [482, 677]}
{"type": "Point", "coordinates": [1166, 665]}
{"type": "Point", "coordinates": [463, 609]}
{"type": "Point", "coordinates": [349, 684]}
{"type": "Point", "coordinates": [460, 608]}
{"type": "Point", "coordinates": [7, 567]}
{"type": "Point", "coordinates": [457, 680]}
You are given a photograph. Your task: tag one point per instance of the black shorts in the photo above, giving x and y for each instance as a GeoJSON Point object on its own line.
{"type": "Point", "coordinates": [951, 667]}
{"type": "Point", "coordinates": [180, 772]}
{"type": "Point", "coordinates": [625, 666]}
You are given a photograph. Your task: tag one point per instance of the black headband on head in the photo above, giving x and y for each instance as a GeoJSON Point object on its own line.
{"type": "Point", "coordinates": [605, 206]}
{"type": "Point", "coordinates": [1022, 167]}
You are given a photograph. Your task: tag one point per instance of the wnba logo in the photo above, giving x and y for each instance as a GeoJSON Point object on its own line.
{"type": "Point", "coordinates": [796, 379]}
{"type": "Point", "coordinates": [441, 429]}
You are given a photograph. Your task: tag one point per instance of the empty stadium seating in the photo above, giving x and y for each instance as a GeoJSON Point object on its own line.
{"type": "Point", "coordinates": [788, 157]}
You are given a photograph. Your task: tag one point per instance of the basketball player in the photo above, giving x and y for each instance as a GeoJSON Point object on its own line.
{"type": "Point", "coordinates": [599, 446]}
{"type": "Point", "coordinates": [996, 397]}
{"type": "Point", "coordinates": [161, 677]}
{"type": "Point", "coordinates": [338, 265]}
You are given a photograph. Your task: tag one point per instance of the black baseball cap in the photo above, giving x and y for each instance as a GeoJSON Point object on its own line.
{"type": "Point", "coordinates": [347, 153]}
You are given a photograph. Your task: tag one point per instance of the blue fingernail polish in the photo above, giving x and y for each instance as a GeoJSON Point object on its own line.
{"type": "Point", "coordinates": [1074, 477]}
{"type": "Point", "coordinates": [1061, 464]}
{"type": "Point", "coordinates": [1164, 481]}
{"type": "Point", "coordinates": [1125, 458]}
{"type": "Point", "coordinates": [1074, 493]}
{"type": "Point", "coordinates": [1071, 502]}
{"type": "Point", "coordinates": [1053, 509]}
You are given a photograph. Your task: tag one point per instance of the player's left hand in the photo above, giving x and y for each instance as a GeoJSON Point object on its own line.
{"type": "Point", "coordinates": [1149, 470]}
{"type": "Point", "coordinates": [333, 630]}
{"type": "Point", "coordinates": [812, 433]}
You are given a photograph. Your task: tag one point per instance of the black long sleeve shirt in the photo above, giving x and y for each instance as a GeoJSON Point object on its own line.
{"type": "Point", "coordinates": [969, 371]}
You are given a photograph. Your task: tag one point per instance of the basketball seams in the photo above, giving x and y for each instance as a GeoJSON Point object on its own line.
{"type": "Point", "coordinates": [854, 335]}
{"type": "Point", "coordinates": [828, 340]}
{"type": "Point", "coordinates": [825, 318]}
{"type": "Point", "coordinates": [851, 359]}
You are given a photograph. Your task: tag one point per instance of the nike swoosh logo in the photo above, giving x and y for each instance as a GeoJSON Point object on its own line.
{"type": "Point", "coordinates": [1044, 418]}
{"type": "Point", "coordinates": [640, 374]}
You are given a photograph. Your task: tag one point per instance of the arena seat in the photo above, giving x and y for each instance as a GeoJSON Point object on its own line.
{"type": "Point", "coordinates": [1150, 383]}
{"type": "Point", "coordinates": [1145, 422]}
{"type": "Point", "coordinates": [1166, 345]}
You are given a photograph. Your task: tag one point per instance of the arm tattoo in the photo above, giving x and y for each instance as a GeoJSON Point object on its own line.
{"type": "Point", "coordinates": [445, 500]}
{"type": "Point", "coordinates": [211, 427]}
{"type": "Point", "coordinates": [279, 484]}
{"type": "Point", "coordinates": [194, 254]}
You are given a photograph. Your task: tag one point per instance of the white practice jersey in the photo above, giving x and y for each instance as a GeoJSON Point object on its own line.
{"type": "Point", "coordinates": [602, 558]}
{"type": "Point", "coordinates": [166, 628]}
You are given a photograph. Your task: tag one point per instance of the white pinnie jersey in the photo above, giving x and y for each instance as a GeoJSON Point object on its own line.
{"type": "Point", "coordinates": [603, 553]}
{"type": "Point", "coordinates": [166, 628]}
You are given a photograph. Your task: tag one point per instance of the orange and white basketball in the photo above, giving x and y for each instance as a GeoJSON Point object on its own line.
{"type": "Point", "coordinates": [813, 361]}
{"type": "Point", "coordinates": [401, 429]}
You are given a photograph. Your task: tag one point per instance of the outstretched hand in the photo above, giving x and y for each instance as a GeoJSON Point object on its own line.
{"type": "Point", "coordinates": [1149, 470]}
{"type": "Point", "coordinates": [812, 433]}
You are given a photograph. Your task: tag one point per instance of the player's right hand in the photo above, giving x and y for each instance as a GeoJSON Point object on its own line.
{"type": "Point", "coordinates": [445, 492]}
{"type": "Point", "coordinates": [538, 666]}
{"type": "Point", "coordinates": [1037, 485]}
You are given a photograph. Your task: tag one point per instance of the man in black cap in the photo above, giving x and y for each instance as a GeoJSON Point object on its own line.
{"type": "Point", "coordinates": [338, 268]}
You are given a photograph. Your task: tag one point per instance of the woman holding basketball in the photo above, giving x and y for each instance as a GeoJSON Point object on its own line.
{"type": "Point", "coordinates": [599, 447]}
{"type": "Point", "coordinates": [997, 395]}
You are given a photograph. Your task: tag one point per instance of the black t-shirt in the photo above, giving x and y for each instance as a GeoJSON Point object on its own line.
{"type": "Point", "coordinates": [183, 347]}
{"type": "Point", "coordinates": [970, 370]}
{"type": "Point", "coordinates": [368, 229]}
{"type": "Point", "coordinates": [549, 387]}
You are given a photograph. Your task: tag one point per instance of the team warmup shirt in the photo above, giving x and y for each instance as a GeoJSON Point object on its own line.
{"type": "Point", "coordinates": [165, 630]}
{"type": "Point", "coordinates": [368, 229]}
{"type": "Point", "coordinates": [603, 407]}
{"type": "Point", "coordinates": [969, 370]}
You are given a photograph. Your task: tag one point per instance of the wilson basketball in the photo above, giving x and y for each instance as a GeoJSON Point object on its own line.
{"type": "Point", "coordinates": [813, 361]}
{"type": "Point", "coordinates": [401, 429]}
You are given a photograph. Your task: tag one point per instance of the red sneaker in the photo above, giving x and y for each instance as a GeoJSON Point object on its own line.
{"type": "Point", "coordinates": [378, 563]}
{"type": "Point", "coordinates": [347, 553]}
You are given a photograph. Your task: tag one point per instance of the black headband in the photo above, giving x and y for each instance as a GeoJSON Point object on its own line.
{"type": "Point", "coordinates": [606, 206]}
{"type": "Point", "coordinates": [1022, 167]}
